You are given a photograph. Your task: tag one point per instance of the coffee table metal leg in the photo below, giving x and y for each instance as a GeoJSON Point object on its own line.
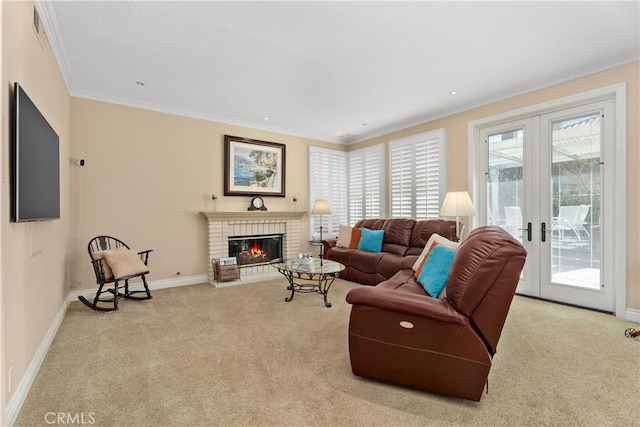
{"type": "Point", "coordinates": [325, 282]}
{"type": "Point", "coordinates": [291, 286]}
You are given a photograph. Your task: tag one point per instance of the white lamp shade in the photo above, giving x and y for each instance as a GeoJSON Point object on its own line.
{"type": "Point", "coordinates": [457, 203]}
{"type": "Point", "coordinates": [321, 207]}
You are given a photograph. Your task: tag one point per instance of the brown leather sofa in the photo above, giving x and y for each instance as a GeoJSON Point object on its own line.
{"type": "Point", "coordinates": [403, 242]}
{"type": "Point", "coordinates": [401, 335]}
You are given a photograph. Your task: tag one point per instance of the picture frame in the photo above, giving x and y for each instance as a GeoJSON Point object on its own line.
{"type": "Point", "coordinates": [253, 167]}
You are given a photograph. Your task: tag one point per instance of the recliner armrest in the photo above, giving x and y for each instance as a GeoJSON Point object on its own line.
{"type": "Point", "coordinates": [408, 303]}
{"type": "Point", "coordinates": [329, 243]}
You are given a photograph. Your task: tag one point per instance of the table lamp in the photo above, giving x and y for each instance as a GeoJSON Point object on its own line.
{"type": "Point", "coordinates": [457, 203]}
{"type": "Point", "coordinates": [321, 207]}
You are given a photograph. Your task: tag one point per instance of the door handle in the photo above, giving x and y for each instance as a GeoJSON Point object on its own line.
{"type": "Point", "coordinates": [528, 229]}
{"type": "Point", "coordinates": [543, 232]}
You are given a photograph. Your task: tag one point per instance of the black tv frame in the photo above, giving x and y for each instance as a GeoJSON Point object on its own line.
{"type": "Point", "coordinates": [35, 163]}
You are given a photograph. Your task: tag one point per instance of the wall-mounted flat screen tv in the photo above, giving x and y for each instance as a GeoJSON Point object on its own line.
{"type": "Point", "coordinates": [36, 163]}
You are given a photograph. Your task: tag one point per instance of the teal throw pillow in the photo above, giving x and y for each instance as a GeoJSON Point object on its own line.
{"type": "Point", "coordinates": [371, 240]}
{"type": "Point", "coordinates": [435, 271]}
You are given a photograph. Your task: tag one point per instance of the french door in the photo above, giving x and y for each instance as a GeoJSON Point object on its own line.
{"type": "Point", "coordinates": [547, 181]}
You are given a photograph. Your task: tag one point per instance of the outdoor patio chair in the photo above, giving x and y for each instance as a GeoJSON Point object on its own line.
{"type": "Point", "coordinates": [572, 218]}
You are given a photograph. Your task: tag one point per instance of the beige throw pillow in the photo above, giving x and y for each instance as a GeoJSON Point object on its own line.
{"type": "Point", "coordinates": [348, 237]}
{"type": "Point", "coordinates": [125, 263]}
{"type": "Point", "coordinates": [344, 236]}
{"type": "Point", "coordinates": [108, 274]}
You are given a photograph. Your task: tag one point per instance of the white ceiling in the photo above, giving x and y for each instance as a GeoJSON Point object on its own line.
{"type": "Point", "coordinates": [335, 71]}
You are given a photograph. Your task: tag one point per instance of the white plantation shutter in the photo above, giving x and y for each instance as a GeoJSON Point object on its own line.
{"type": "Point", "coordinates": [327, 180]}
{"type": "Point", "coordinates": [356, 188]}
{"type": "Point", "coordinates": [417, 171]}
{"type": "Point", "coordinates": [401, 171]}
{"type": "Point", "coordinates": [366, 183]}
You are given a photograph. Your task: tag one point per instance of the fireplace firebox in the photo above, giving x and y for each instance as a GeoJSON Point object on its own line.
{"type": "Point", "coordinates": [255, 250]}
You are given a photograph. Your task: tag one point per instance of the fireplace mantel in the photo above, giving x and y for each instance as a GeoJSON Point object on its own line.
{"type": "Point", "coordinates": [249, 215]}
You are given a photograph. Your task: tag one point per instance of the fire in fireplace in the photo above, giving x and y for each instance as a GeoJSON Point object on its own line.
{"type": "Point", "coordinates": [254, 250]}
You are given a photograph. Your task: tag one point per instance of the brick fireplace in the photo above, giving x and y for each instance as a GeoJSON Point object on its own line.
{"type": "Point", "coordinates": [223, 225]}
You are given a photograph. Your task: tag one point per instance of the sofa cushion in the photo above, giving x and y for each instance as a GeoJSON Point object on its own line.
{"type": "Point", "coordinates": [403, 281]}
{"type": "Point", "coordinates": [371, 224]}
{"type": "Point", "coordinates": [341, 255]}
{"type": "Point", "coordinates": [476, 267]}
{"type": "Point", "coordinates": [365, 262]}
{"type": "Point", "coordinates": [423, 230]}
{"type": "Point", "coordinates": [390, 264]}
{"type": "Point", "coordinates": [371, 240]}
{"type": "Point", "coordinates": [398, 231]}
{"type": "Point", "coordinates": [435, 273]}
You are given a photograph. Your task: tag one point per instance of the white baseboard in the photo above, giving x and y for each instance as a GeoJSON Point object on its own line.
{"type": "Point", "coordinates": [17, 400]}
{"type": "Point", "coordinates": [137, 286]}
{"type": "Point", "coordinates": [633, 315]}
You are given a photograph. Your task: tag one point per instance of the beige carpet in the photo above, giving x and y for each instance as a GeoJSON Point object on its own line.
{"type": "Point", "coordinates": [242, 356]}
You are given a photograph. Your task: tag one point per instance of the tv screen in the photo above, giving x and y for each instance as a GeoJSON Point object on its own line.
{"type": "Point", "coordinates": [36, 163]}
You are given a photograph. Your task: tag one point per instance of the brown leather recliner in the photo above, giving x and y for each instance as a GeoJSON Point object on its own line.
{"type": "Point", "coordinates": [401, 335]}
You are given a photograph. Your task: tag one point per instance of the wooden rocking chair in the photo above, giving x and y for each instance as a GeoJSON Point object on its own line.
{"type": "Point", "coordinates": [113, 261]}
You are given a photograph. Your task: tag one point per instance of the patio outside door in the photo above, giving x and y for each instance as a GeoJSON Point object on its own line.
{"type": "Point", "coordinates": [546, 184]}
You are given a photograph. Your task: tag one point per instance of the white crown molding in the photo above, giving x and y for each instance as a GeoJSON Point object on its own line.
{"type": "Point", "coordinates": [48, 18]}
{"type": "Point", "coordinates": [399, 126]}
{"type": "Point", "coordinates": [128, 102]}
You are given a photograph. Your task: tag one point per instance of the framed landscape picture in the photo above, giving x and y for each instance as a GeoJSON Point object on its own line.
{"type": "Point", "coordinates": [253, 167]}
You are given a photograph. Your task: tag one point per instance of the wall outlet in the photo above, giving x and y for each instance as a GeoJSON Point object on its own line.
{"type": "Point", "coordinates": [9, 387]}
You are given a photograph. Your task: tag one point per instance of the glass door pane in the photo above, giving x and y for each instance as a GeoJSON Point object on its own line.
{"type": "Point", "coordinates": [505, 192]}
{"type": "Point", "coordinates": [575, 201]}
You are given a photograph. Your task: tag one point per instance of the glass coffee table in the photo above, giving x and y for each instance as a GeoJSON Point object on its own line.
{"type": "Point", "coordinates": [309, 278]}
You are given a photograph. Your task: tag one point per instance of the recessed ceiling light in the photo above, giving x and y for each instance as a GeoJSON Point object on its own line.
{"type": "Point", "coordinates": [140, 83]}
{"type": "Point", "coordinates": [266, 118]}
{"type": "Point", "coordinates": [453, 92]}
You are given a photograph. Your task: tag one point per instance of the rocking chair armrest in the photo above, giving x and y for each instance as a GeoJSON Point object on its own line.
{"type": "Point", "coordinates": [144, 255]}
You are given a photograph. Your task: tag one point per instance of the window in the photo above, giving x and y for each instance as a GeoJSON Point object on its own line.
{"type": "Point", "coordinates": [417, 175]}
{"type": "Point", "coordinates": [366, 183]}
{"type": "Point", "coordinates": [327, 180]}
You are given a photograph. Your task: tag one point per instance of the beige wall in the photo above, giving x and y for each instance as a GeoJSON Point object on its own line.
{"type": "Point", "coordinates": [149, 174]}
{"type": "Point", "coordinates": [34, 255]}
{"type": "Point", "coordinates": [3, 126]}
{"type": "Point", "coordinates": [456, 126]}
